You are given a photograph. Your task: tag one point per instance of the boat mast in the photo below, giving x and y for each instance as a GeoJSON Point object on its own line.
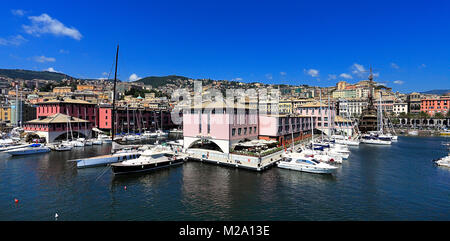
{"type": "Point", "coordinates": [113, 125]}
{"type": "Point", "coordinates": [320, 112]}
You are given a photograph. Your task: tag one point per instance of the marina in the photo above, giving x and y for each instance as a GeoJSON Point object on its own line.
{"type": "Point", "coordinates": [395, 182]}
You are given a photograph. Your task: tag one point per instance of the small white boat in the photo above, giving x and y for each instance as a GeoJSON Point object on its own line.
{"type": "Point", "coordinates": [12, 147]}
{"type": "Point", "coordinates": [413, 133]}
{"type": "Point", "coordinates": [62, 147]}
{"type": "Point", "coordinates": [298, 162]}
{"type": "Point", "coordinates": [104, 138]}
{"type": "Point", "coordinates": [129, 138]}
{"type": "Point", "coordinates": [77, 143]}
{"type": "Point", "coordinates": [29, 150]}
{"type": "Point", "coordinates": [88, 143]}
{"type": "Point", "coordinates": [444, 161]}
{"type": "Point", "coordinates": [375, 141]}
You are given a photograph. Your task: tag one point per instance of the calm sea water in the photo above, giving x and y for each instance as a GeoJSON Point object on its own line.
{"type": "Point", "coordinates": [397, 182]}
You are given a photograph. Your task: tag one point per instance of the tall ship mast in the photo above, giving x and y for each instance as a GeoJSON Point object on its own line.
{"type": "Point", "coordinates": [369, 116]}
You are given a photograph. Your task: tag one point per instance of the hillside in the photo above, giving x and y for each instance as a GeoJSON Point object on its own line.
{"type": "Point", "coordinates": [156, 81]}
{"type": "Point", "coordinates": [436, 92]}
{"type": "Point", "coordinates": [30, 74]}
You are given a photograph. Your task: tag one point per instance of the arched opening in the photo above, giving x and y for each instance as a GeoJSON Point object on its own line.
{"type": "Point", "coordinates": [206, 144]}
{"type": "Point", "coordinates": [68, 136]}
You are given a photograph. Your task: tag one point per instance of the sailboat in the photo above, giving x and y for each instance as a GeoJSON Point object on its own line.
{"type": "Point", "coordinates": [113, 157]}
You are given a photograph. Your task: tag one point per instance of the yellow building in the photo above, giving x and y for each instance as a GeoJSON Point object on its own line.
{"type": "Point", "coordinates": [62, 90]}
{"type": "Point", "coordinates": [5, 114]}
{"type": "Point", "coordinates": [85, 87]}
{"type": "Point", "coordinates": [285, 106]}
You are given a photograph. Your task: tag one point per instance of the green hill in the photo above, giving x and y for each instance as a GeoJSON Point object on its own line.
{"type": "Point", "coordinates": [156, 81]}
{"type": "Point", "coordinates": [30, 74]}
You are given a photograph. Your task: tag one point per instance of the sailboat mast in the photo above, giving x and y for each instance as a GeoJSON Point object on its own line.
{"type": "Point", "coordinates": [113, 125]}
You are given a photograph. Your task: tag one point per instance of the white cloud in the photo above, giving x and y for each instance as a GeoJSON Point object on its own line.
{"type": "Point", "coordinates": [269, 76]}
{"type": "Point", "coordinates": [395, 66]}
{"type": "Point", "coordinates": [422, 66]}
{"type": "Point", "coordinates": [104, 74]}
{"type": "Point", "coordinates": [44, 24]}
{"type": "Point", "coordinates": [312, 72]}
{"type": "Point", "coordinates": [376, 75]}
{"type": "Point", "coordinates": [332, 77]}
{"type": "Point", "coordinates": [398, 82]}
{"type": "Point", "coordinates": [63, 51]}
{"type": "Point", "coordinates": [12, 40]}
{"type": "Point", "coordinates": [283, 73]}
{"type": "Point", "coordinates": [134, 77]}
{"type": "Point", "coordinates": [358, 69]}
{"type": "Point", "coordinates": [237, 79]}
{"type": "Point", "coordinates": [51, 69]}
{"type": "Point", "coordinates": [18, 12]}
{"type": "Point", "coordinates": [345, 76]}
{"type": "Point", "coordinates": [43, 59]}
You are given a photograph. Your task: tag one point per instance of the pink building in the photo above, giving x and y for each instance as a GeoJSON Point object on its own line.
{"type": "Point", "coordinates": [322, 115]}
{"type": "Point", "coordinates": [221, 127]}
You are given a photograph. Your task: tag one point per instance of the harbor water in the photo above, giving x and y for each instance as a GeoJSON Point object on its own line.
{"type": "Point", "coordinates": [397, 182]}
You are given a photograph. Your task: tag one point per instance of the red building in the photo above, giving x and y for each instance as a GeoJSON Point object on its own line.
{"type": "Point", "coordinates": [433, 106]}
{"type": "Point", "coordinates": [134, 119]}
{"type": "Point", "coordinates": [72, 107]}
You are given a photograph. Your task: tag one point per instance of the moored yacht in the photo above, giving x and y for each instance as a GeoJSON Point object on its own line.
{"type": "Point", "coordinates": [155, 158]}
{"type": "Point", "coordinates": [298, 162]}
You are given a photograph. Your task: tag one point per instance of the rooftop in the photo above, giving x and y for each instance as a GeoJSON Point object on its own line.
{"type": "Point", "coordinates": [57, 119]}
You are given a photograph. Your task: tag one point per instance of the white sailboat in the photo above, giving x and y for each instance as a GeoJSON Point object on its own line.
{"type": "Point", "coordinates": [299, 162]}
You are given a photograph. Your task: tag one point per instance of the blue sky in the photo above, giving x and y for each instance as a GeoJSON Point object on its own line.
{"type": "Point", "coordinates": [292, 42]}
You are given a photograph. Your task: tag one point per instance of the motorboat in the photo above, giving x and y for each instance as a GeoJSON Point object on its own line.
{"type": "Point", "coordinates": [376, 141]}
{"type": "Point", "coordinates": [149, 134]}
{"type": "Point", "coordinates": [413, 132]}
{"type": "Point", "coordinates": [444, 161]}
{"type": "Point", "coordinates": [298, 162]}
{"type": "Point", "coordinates": [88, 143]}
{"type": "Point", "coordinates": [62, 147]}
{"type": "Point", "coordinates": [155, 158]}
{"type": "Point", "coordinates": [129, 138]}
{"type": "Point", "coordinates": [104, 138]}
{"type": "Point", "coordinates": [77, 143]}
{"type": "Point", "coordinates": [29, 150]}
{"type": "Point", "coordinates": [321, 155]}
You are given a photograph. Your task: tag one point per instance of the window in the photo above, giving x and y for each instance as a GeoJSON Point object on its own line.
{"type": "Point", "coordinates": [239, 131]}
{"type": "Point", "coordinates": [254, 128]}
{"type": "Point", "coordinates": [233, 132]}
{"type": "Point", "coordinates": [245, 131]}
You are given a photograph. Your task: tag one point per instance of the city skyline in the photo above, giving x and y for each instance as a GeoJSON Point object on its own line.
{"type": "Point", "coordinates": [288, 43]}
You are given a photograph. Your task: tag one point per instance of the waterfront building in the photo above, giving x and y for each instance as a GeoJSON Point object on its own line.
{"type": "Point", "coordinates": [85, 87]}
{"type": "Point", "coordinates": [400, 107]}
{"type": "Point", "coordinates": [133, 119]}
{"type": "Point", "coordinates": [414, 102]}
{"type": "Point", "coordinates": [345, 94]}
{"type": "Point", "coordinates": [21, 112]}
{"type": "Point", "coordinates": [283, 127]}
{"type": "Point", "coordinates": [73, 107]}
{"type": "Point", "coordinates": [56, 127]}
{"type": "Point", "coordinates": [322, 113]}
{"type": "Point", "coordinates": [351, 108]}
{"type": "Point", "coordinates": [219, 124]}
{"type": "Point", "coordinates": [435, 105]}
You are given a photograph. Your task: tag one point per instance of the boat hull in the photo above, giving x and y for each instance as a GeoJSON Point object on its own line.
{"type": "Point", "coordinates": [120, 169]}
{"type": "Point", "coordinates": [303, 168]}
{"type": "Point", "coordinates": [19, 152]}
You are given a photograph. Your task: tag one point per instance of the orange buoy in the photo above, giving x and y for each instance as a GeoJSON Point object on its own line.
{"type": "Point", "coordinates": [16, 200]}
